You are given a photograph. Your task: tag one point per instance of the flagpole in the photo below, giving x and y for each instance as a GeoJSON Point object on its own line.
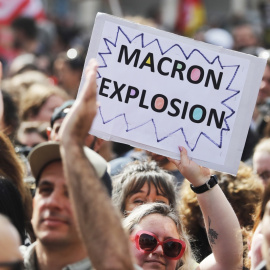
{"type": "Point", "coordinates": [116, 8]}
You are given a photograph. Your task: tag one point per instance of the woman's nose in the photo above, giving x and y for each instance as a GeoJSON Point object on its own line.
{"type": "Point", "coordinates": [159, 250]}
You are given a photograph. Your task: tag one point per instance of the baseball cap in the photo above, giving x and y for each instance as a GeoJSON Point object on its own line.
{"type": "Point", "coordinates": [47, 152]}
{"type": "Point", "coordinates": [61, 112]}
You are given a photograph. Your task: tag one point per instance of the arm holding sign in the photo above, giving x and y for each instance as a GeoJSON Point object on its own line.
{"type": "Point", "coordinates": [221, 223]}
{"type": "Point", "coordinates": [100, 225]}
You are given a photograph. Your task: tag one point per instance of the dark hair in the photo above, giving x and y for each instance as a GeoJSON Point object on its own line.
{"type": "Point", "coordinates": [11, 206]}
{"type": "Point", "coordinates": [135, 175]}
{"type": "Point", "coordinates": [11, 116]}
{"type": "Point", "coordinates": [61, 112]}
{"type": "Point", "coordinates": [27, 25]}
{"type": "Point", "coordinates": [67, 34]}
{"type": "Point", "coordinates": [76, 63]}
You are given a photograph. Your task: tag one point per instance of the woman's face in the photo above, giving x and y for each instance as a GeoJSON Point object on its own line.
{"type": "Point", "coordinates": [145, 195]}
{"type": "Point", "coordinates": [46, 111]}
{"type": "Point", "coordinates": [164, 228]}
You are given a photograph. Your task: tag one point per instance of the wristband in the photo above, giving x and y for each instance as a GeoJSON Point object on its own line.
{"type": "Point", "coordinates": [207, 186]}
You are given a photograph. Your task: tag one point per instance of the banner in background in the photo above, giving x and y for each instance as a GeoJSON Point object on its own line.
{"type": "Point", "coordinates": [191, 16]}
{"type": "Point", "coordinates": [9, 10]}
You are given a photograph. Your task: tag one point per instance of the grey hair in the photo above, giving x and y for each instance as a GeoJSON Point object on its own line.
{"type": "Point", "coordinates": [142, 211]}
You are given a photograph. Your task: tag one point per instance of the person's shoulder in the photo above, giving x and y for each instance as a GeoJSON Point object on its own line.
{"type": "Point", "coordinates": [84, 264]}
{"type": "Point", "coordinates": [27, 250]}
{"type": "Point", "coordinates": [28, 256]}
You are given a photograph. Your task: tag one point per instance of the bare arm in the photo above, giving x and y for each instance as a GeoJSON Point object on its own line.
{"type": "Point", "coordinates": [222, 226]}
{"type": "Point", "coordinates": [100, 224]}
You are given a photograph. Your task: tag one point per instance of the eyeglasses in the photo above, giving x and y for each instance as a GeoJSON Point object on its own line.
{"type": "Point", "coordinates": [148, 242]}
{"type": "Point", "coordinates": [17, 265]}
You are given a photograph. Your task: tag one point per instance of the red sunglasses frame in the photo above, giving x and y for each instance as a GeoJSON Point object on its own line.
{"type": "Point", "coordinates": [159, 243]}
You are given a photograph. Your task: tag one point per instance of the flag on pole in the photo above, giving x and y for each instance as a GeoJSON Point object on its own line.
{"type": "Point", "coordinates": [9, 10]}
{"type": "Point", "coordinates": [34, 9]}
{"type": "Point", "coordinates": [191, 16]}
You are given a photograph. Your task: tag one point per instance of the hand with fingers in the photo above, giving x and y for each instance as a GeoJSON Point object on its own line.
{"type": "Point", "coordinates": [194, 173]}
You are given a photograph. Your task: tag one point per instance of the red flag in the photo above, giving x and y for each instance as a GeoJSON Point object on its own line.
{"type": "Point", "coordinates": [34, 9]}
{"type": "Point", "coordinates": [11, 9]}
{"type": "Point", "coordinates": [191, 16]}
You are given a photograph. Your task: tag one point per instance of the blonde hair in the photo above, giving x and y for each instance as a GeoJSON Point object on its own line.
{"type": "Point", "coordinates": [20, 83]}
{"type": "Point", "coordinates": [263, 146]}
{"type": "Point", "coordinates": [36, 96]}
{"type": "Point", "coordinates": [244, 193]}
{"type": "Point", "coordinates": [140, 212]}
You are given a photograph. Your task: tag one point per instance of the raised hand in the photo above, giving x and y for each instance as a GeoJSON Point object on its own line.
{"type": "Point", "coordinates": [194, 173]}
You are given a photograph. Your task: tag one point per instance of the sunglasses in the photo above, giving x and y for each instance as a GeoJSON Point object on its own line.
{"type": "Point", "coordinates": [147, 242]}
{"type": "Point", "coordinates": [17, 265]}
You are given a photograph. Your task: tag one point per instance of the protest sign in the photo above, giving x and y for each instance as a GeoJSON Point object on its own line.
{"type": "Point", "coordinates": [158, 90]}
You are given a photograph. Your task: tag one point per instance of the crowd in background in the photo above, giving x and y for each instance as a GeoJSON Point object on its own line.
{"type": "Point", "coordinates": [41, 75]}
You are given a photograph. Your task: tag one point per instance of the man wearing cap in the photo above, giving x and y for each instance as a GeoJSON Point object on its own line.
{"type": "Point", "coordinates": [56, 121]}
{"type": "Point", "coordinates": [63, 172]}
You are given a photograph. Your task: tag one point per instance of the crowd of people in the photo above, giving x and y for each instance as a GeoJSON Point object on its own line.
{"type": "Point", "coordinates": [71, 200]}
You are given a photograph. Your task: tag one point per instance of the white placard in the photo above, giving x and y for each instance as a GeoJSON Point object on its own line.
{"type": "Point", "coordinates": [158, 91]}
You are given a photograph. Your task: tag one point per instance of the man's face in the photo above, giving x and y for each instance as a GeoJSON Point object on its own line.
{"type": "Point", "coordinates": [53, 220]}
{"type": "Point", "coordinates": [244, 37]}
{"type": "Point", "coordinates": [264, 91]}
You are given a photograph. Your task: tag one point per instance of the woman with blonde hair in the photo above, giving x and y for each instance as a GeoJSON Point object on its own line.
{"type": "Point", "coordinates": [40, 100]}
{"type": "Point", "coordinates": [146, 225]}
{"type": "Point", "coordinates": [159, 241]}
